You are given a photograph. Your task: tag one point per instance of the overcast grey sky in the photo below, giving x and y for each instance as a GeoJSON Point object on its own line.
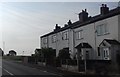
{"type": "Point", "coordinates": [22, 23]}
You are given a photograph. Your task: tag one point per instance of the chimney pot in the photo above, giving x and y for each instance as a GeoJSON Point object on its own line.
{"type": "Point", "coordinates": [105, 5]}
{"type": "Point", "coordinates": [56, 24]}
{"type": "Point", "coordinates": [57, 27]}
{"type": "Point", "coordinates": [69, 22]}
{"type": "Point", "coordinates": [82, 10]}
{"type": "Point", "coordinates": [102, 5]}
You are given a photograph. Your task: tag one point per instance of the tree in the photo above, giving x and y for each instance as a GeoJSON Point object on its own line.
{"type": "Point", "coordinates": [37, 53]}
{"type": "Point", "coordinates": [7, 54]}
{"type": "Point", "coordinates": [12, 53]}
{"type": "Point", "coordinates": [45, 53]}
{"type": "Point", "coordinates": [64, 54]}
{"type": "Point", "coordinates": [48, 53]}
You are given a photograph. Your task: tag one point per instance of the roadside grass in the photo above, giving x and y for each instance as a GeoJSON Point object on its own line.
{"type": "Point", "coordinates": [16, 58]}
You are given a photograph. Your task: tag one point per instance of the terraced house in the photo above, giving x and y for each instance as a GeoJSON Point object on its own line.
{"type": "Point", "coordinates": [92, 38]}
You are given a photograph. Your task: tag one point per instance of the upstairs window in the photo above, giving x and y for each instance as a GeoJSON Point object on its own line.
{"type": "Point", "coordinates": [45, 40]}
{"type": "Point", "coordinates": [102, 29]}
{"type": "Point", "coordinates": [53, 38]}
{"type": "Point", "coordinates": [65, 35]}
{"type": "Point", "coordinates": [79, 35]}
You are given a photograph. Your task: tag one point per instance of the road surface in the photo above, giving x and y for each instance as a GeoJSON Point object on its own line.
{"type": "Point", "coordinates": [12, 68]}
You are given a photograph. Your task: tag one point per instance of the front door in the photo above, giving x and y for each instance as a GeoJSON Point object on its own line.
{"type": "Point", "coordinates": [80, 54]}
{"type": "Point", "coordinates": [87, 55]}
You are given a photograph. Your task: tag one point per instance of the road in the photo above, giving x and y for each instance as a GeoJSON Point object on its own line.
{"type": "Point", "coordinates": [12, 68]}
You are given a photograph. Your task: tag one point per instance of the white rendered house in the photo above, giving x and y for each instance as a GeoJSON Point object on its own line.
{"type": "Point", "coordinates": [94, 38]}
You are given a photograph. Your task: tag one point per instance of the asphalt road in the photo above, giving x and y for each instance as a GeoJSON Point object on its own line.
{"type": "Point", "coordinates": [12, 68]}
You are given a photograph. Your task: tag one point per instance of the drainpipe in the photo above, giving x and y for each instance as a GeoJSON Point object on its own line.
{"type": "Point", "coordinates": [68, 39]}
{"type": "Point", "coordinates": [56, 40]}
{"type": "Point", "coordinates": [74, 46]}
{"type": "Point", "coordinates": [95, 40]}
{"type": "Point", "coordinates": [47, 41]}
{"type": "Point", "coordinates": [73, 41]}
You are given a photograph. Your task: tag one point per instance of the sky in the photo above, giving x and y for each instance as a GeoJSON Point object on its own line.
{"type": "Point", "coordinates": [22, 23]}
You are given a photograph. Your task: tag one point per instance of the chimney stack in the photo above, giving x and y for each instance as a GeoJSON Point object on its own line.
{"type": "Point", "coordinates": [69, 22]}
{"type": "Point", "coordinates": [104, 9]}
{"type": "Point", "coordinates": [57, 27]}
{"type": "Point", "coordinates": [83, 16]}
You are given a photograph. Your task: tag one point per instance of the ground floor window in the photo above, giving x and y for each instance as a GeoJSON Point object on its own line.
{"type": "Point", "coordinates": [106, 53]}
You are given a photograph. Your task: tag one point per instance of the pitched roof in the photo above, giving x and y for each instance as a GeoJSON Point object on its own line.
{"type": "Point", "coordinates": [112, 42]}
{"type": "Point", "coordinates": [77, 24]}
{"type": "Point", "coordinates": [36, 50]}
{"type": "Point", "coordinates": [83, 45]}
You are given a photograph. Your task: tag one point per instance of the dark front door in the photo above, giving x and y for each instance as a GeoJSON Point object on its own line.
{"type": "Point", "coordinates": [80, 54]}
{"type": "Point", "coordinates": [87, 55]}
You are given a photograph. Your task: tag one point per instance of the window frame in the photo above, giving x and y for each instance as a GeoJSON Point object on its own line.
{"type": "Point", "coordinates": [102, 29]}
{"type": "Point", "coordinates": [106, 53]}
{"type": "Point", "coordinates": [45, 40]}
{"type": "Point", "coordinates": [65, 35]}
{"type": "Point", "coordinates": [79, 34]}
{"type": "Point", "coordinates": [54, 38]}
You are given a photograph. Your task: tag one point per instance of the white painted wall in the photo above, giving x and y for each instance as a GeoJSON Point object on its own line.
{"type": "Point", "coordinates": [112, 24]}
{"type": "Point", "coordinates": [89, 36]}
{"type": "Point", "coordinates": [119, 27]}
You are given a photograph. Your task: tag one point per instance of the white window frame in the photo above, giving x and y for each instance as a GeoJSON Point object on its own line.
{"type": "Point", "coordinates": [106, 53]}
{"type": "Point", "coordinates": [102, 29]}
{"type": "Point", "coordinates": [65, 35]}
{"type": "Point", "coordinates": [79, 35]}
{"type": "Point", "coordinates": [45, 40]}
{"type": "Point", "coordinates": [54, 38]}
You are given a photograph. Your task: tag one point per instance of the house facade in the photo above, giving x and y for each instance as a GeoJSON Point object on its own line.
{"type": "Point", "coordinates": [93, 38]}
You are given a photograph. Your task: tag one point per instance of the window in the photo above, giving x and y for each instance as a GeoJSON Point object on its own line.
{"type": "Point", "coordinates": [53, 38]}
{"type": "Point", "coordinates": [79, 35]}
{"type": "Point", "coordinates": [106, 53]}
{"type": "Point", "coordinates": [102, 29]}
{"type": "Point", "coordinates": [45, 40]}
{"type": "Point", "coordinates": [65, 35]}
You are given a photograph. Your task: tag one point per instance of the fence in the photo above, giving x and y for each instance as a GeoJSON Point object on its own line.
{"type": "Point", "coordinates": [97, 66]}
{"type": "Point", "coordinates": [91, 66]}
